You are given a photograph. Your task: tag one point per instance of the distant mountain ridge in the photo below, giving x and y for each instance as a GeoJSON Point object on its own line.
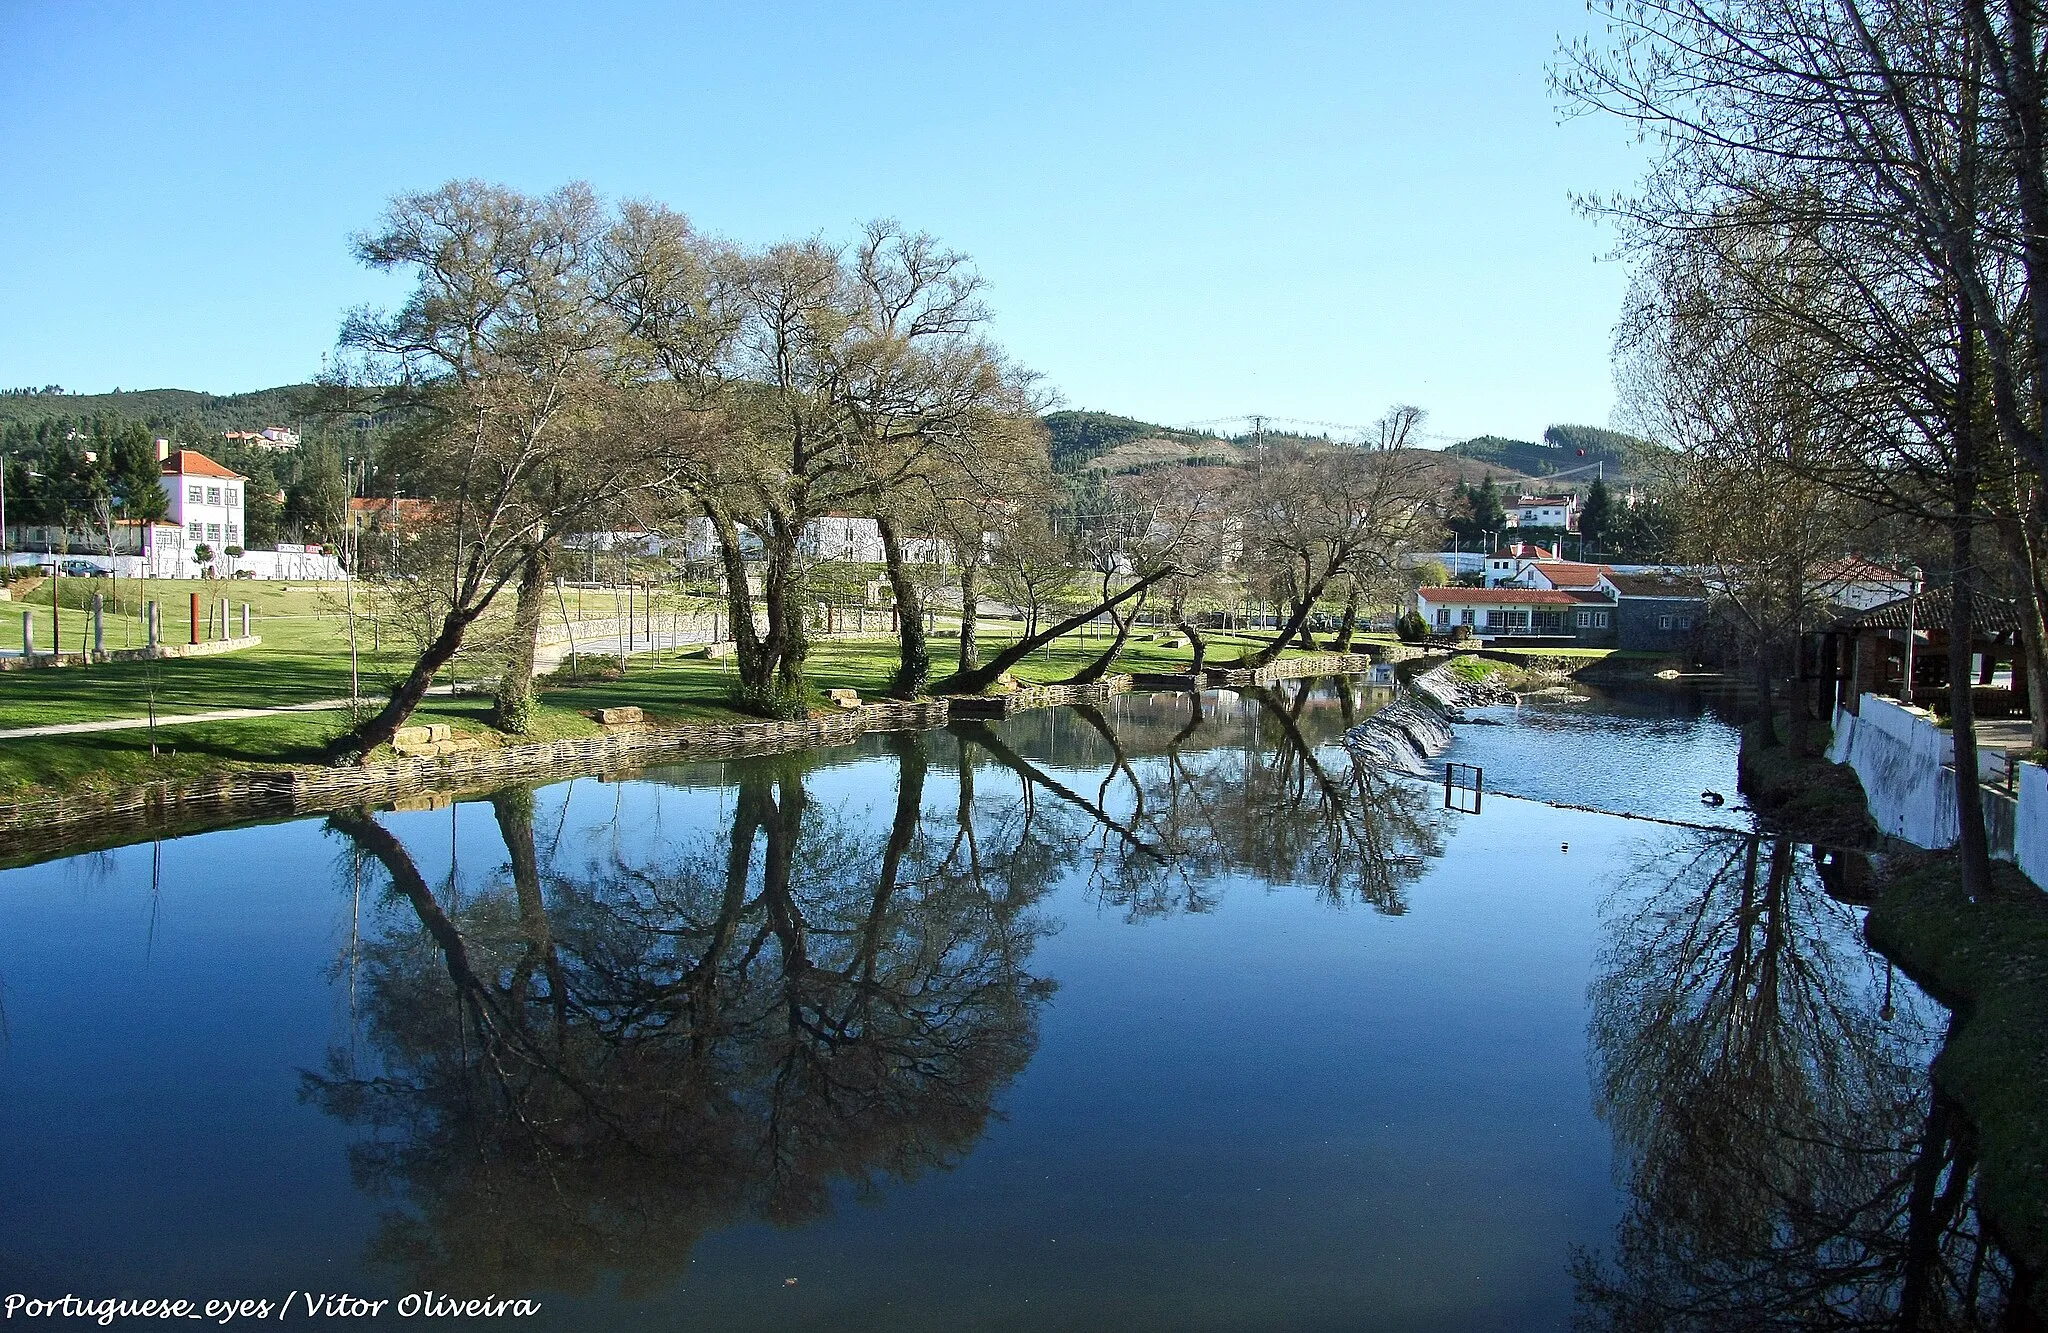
{"type": "Point", "coordinates": [166, 410]}
{"type": "Point", "coordinates": [1108, 443]}
{"type": "Point", "coordinates": [1569, 449]}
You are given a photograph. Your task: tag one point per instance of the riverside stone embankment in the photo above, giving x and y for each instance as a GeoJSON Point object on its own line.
{"type": "Point", "coordinates": [33, 829]}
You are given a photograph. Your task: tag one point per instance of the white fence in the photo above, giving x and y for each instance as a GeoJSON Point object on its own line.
{"type": "Point", "coordinates": [1907, 767]}
{"type": "Point", "coordinates": [172, 563]}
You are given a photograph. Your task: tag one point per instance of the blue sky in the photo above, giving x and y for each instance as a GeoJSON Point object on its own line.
{"type": "Point", "coordinates": [1185, 211]}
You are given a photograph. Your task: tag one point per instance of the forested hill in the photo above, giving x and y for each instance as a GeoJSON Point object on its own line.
{"type": "Point", "coordinates": [185, 413]}
{"type": "Point", "coordinates": [1103, 439]}
{"type": "Point", "coordinates": [1565, 448]}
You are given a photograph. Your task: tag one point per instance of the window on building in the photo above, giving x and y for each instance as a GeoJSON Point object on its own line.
{"type": "Point", "coordinates": [1663, 622]}
{"type": "Point", "coordinates": [234, 535]}
{"type": "Point", "coordinates": [195, 495]}
{"type": "Point", "coordinates": [1600, 620]}
{"type": "Point", "coordinates": [198, 531]}
{"type": "Point", "coordinates": [1583, 620]}
{"type": "Point", "coordinates": [213, 532]}
{"type": "Point", "coordinates": [1685, 622]}
{"type": "Point", "coordinates": [1467, 616]}
{"type": "Point", "coordinates": [228, 495]}
{"type": "Point", "coordinates": [1443, 616]}
{"type": "Point", "coordinates": [213, 495]}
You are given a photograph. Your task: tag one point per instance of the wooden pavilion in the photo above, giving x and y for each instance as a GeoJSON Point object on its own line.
{"type": "Point", "coordinates": [1865, 653]}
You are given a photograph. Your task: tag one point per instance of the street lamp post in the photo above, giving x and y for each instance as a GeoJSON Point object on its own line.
{"type": "Point", "coordinates": [1913, 575]}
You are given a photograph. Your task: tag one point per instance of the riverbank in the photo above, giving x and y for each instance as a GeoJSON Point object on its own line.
{"type": "Point", "coordinates": [673, 688]}
{"type": "Point", "coordinates": [1987, 962]}
{"type": "Point", "coordinates": [1804, 794]}
{"type": "Point", "coordinates": [105, 814]}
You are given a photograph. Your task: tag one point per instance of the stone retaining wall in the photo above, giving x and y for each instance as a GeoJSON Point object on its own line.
{"type": "Point", "coordinates": [1038, 696]}
{"type": "Point", "coordinates": [33, 828]}
{"type": "Point", "coordinates": [210, 648]}
{"type": "Point", "coordinates": [1293, 668]}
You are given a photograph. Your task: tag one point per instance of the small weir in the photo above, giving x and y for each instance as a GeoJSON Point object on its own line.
{"type": "Point", "coordinates": [1413, 730]}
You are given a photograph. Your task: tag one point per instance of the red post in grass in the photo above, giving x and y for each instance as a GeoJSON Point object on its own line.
{"type": "Point", "coordinates": [195, 617]}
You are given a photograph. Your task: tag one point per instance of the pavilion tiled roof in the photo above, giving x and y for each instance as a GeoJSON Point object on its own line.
{"type": "Point", "coordinates": [1657, 585]}
{"type": "Point", "coordinates": [1930, 611]}
{"type": "Point", "coordinates": [1571, 573]}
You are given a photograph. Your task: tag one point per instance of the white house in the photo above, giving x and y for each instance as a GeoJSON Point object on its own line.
{"type": "Point", "coordinates": [1506, 565]}
{"type": "Point", "coordinates": [277, 439]}
{"type": "Point", "coordinates": [852, 538]}
{"type": "Point", "coordinates": [206, 498]}
{"type": "Point", "coordinates": [1514, 612]}
{"type": "Point", "coordinates": [1544, 511]}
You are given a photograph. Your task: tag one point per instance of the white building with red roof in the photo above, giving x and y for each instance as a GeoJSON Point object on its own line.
{"type": "Point", "coordinates": [206, 499]}
{"type": "Point", "coordinates": [1507, 611]}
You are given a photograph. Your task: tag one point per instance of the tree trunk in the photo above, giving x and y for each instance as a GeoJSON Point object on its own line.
{"type": "Point", "coordinates": [913, 654]}
{"type": "Point", "coordinates": [754, 668]}
{"type": "Point", "coordinates": [1766, 703]}
{"type": "Point", "coordinates": [356, 745]}
{"type": "Point", "coordinates": [1973, 847]}
{"type": "Point", "coordinates": [979, 679]}
{"type": "Point", "coordinates": [1305, 635]}
{"type": "Point", "coordinates": [786, 641]}
{"type": "Point", "coordinates": [1299, 617]}
{"type": "Point", "coordinates": [1099, 668]}
{"type": "Point", "coordinates": [1345, 630]}
{"type": "Point", "coordinates": [970, 615]}
{"type": "Point", "coordinates": [1195, 640]}
{"type": "Point", "coordinates": [515, 689]}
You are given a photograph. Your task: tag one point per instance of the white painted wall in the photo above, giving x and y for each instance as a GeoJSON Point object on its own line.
{"type": "Point", "coordinates": [1907, 767]}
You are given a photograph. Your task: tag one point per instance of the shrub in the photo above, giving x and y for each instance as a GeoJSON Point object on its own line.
{"type": "Point", "coordinates": [773, 700]}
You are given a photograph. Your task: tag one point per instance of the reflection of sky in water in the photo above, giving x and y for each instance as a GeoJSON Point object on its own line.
{"type": "Point", "coordinates": [1646, 752]}
{"type": "Point", "coordinates": [1274, 1112]}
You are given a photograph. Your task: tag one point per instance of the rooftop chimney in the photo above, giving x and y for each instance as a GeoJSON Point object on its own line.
{"type": "Point", "coordinates": [163, 451]}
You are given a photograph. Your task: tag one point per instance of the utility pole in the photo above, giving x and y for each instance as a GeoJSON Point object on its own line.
{"type": "Point", "coordinates": [1259, 438]}
{"type": "Point", "coordinates": [348, 546]}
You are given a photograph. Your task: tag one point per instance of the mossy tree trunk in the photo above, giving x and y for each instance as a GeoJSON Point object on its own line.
{"type": "Point", "coordinates": [913, 652]}
{"type": "Point", "coordinates": [514, 705]}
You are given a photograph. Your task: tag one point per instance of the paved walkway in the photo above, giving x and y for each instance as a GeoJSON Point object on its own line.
{"type": "Point", "coordinates": [181, 719]}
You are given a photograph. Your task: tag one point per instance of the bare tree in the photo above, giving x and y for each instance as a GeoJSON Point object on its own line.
{"type": "Point", "coordinates": [499, 364]}
{"type": "Point", "coordinates": [1315, 512]}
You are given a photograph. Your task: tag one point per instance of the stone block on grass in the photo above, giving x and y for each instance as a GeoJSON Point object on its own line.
{"type": "Point", "coordinates": [625, 715]}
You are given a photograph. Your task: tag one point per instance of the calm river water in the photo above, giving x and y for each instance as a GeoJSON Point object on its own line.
{"type": "Point", "coordinates": [1157, 1017]}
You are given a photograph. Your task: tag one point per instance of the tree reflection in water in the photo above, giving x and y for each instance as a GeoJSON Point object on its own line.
{"type": "Point", "coordinates": [581, 1072]}
{"type": "Point", "coordinates": [1252, 786]}
{"type": "Point", "coordinates": [584, 1073]}
{"type": "Point", "coordinates": [1786, 1163]}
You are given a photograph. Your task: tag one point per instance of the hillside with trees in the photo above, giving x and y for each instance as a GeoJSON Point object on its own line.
{"type": "Point", "coordinates": [188, 414]}
{"type": "Point", "coordinates": [1565, 448]}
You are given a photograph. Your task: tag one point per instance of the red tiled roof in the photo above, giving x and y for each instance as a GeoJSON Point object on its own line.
{"type": "Point", "coordinates": [1572, 572]}
{"type": "Point", "coordinates": [192, 463]}
{"type": "Point", "coordinates": [1506, 596]}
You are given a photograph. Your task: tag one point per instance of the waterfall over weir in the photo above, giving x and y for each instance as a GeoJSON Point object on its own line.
{"type": "Point", "coordinates": [1414, 729]}
{"type": "Point", "coordinates": [1404, 736]}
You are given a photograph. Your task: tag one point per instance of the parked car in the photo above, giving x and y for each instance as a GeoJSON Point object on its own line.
{"type": "Point", "coordinates": [81, 569]}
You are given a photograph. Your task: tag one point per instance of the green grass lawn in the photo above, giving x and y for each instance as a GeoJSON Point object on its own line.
{"type": "Point", "coordinates": [109, 760]}
{"type": "Point", "coordinates": [303, 656]}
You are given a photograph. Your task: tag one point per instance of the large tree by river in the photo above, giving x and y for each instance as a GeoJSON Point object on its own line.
{"type": "Point", "coordinates": [1313, 513]}
{"type": "Point", "coordinates": [499, 368]}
